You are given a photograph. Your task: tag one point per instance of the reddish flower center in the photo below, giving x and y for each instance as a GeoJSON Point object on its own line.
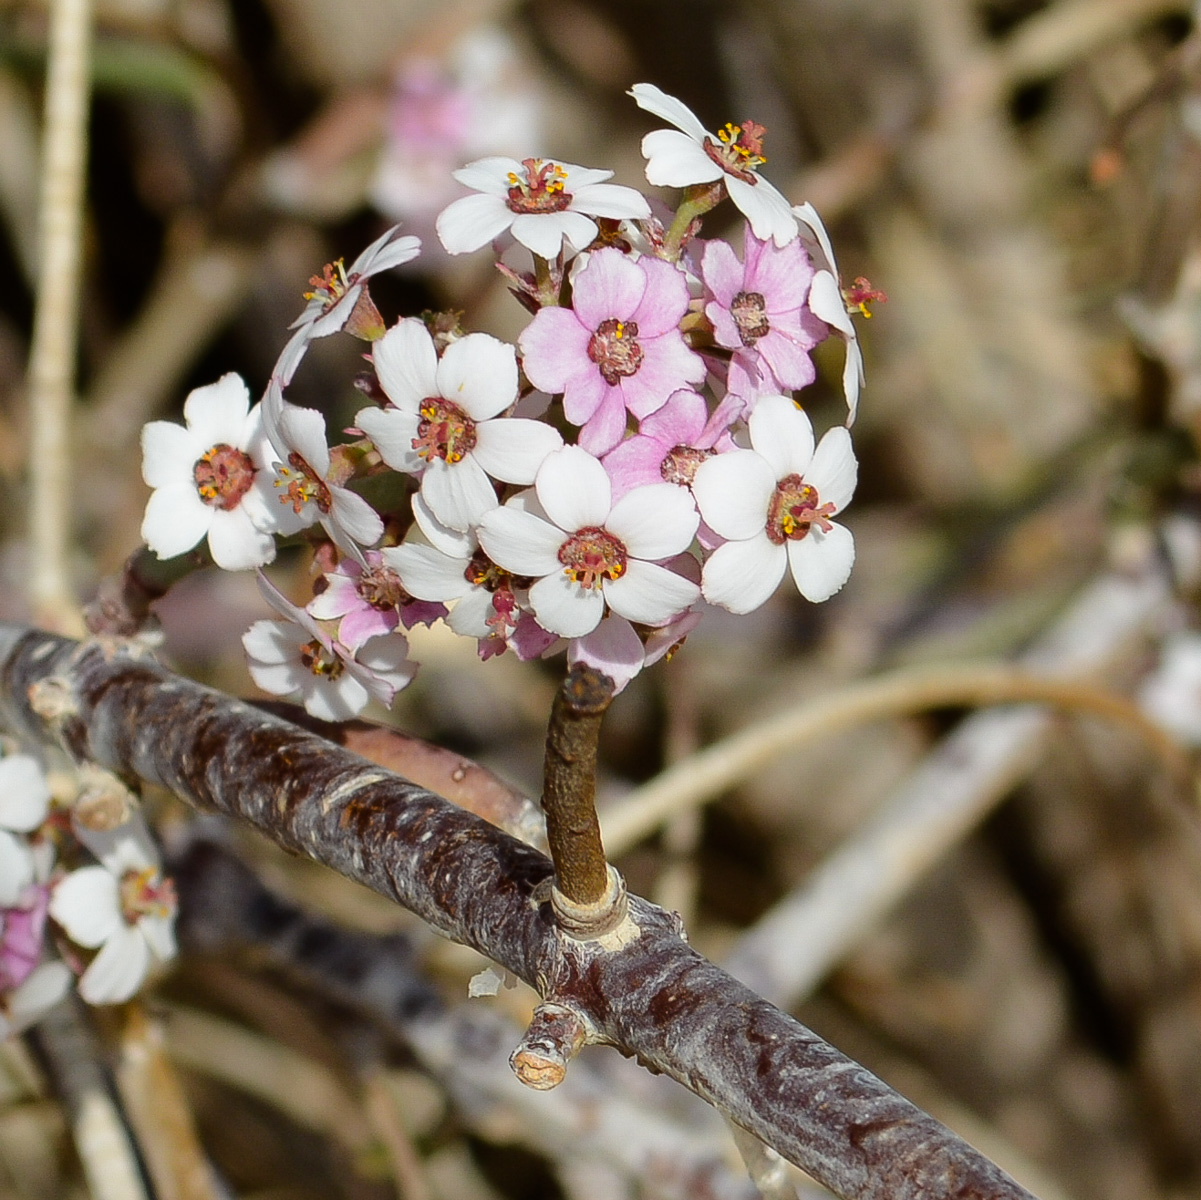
{"type": "Point", "coordinates": [591, 555]}
{"type": "Point", "coordinates": [445, 431]}
{"type": "Point", "coordinates": [738, 150]}
{"type": "Point", "coordinates": [145, 893]}
{"type": "Point", "coordinates": [615, 350]}
{"type": "Point", "coordinates": [380, 587]}
{"type": "Point", "coordinates": [302, 485]}
{"type": "Point", "coordinates": [680, 464]}
{"type": "Point", "coordinates": [538, 187]}
{"type": "Point", "coordinates": [482, 572]}
{"type": "Point", "coordinates": [794, 509]}
{"type": "Point", "coordinates": [331, 285]}
{"type": "Point", "coordinates": [861, 294]}
{"type": "Point", "coordinates": [223, 476]}
{"type": "Point", "coordinates": [749, 311]}
{"type": "Point", "coordinates": [322, 661]}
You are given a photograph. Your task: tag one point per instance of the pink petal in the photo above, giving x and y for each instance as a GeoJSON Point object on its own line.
{"type": "Point", "coordinates": [667, 365]}
{"type": "Point", "coordinates": [605, 428]}
{"type": "Point", "coordinates": [613, 648]}
{"type": "Point", "coordinates": [664, 300]}
{"type": "Point", "coordinates": [722, 272]}
{"type": "Point", "coordinates": [610, 287]}
{"type": "Point", "coordinates": [554, 346]}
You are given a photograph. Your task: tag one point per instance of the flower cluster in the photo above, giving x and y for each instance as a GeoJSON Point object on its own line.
{"type": "Point", "coordinates": [638, 453]}
{"type": "Point", "coordinates": [81, 891]}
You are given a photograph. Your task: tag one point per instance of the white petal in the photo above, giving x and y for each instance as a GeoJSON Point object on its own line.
{"type": "Point", "coordinates": [24, 793]}
{"type": "Point", "coordinates": [834, 470]}
{"type": "Point", "coordinates": [612, 200]}
{"type": "Point", "coordinates": [479, 374]}
{"type": "Point", "coordinates": [564, 607]}
{"type": "Point", "coordinates": [676, 160]}
{"type": "Point", "coordinates": [521, 542]}
{"type": "Point", "coordinates": [159, 933]}
{"type": "Point", "coordinates": [733, 492]}
{"type": "Point", "coordinates": [169, 454]}
{"type": "Point", "coordinates": [458, 493]}
{"type": "Point", "coordinates": [87, 905]}
{"type": "Point", "coordinates": [783, 434]}
{"type": "Point", "coordinates": [469, 618]}
{"type": "Point", "coordinates": [852, 377]}
{"type": "Point", "coordinates": [427, 573]}
{"type": "Point", "coordinates": [821, 562]}
{"type": "Point", "coordinates": [489, 175]}
{"type": "Point", "coordinates": [42, 989]}
{"type": "Point", "coordinates": [454, 542]}
{"type": "Point", "coordinates": [273, 643]}
{"type": "Point", "coordinates": [765, 208]}
{"type": "Point", "coordinates": [235, 543]}
{"type": "Point", "coordinates": [128, 847]}
{"type": "Point", "coordinates": [513, 448]}
{"type": "Point", "coordinates": [392, 431]}
{"type": "Point", "coordinates": [335, 700]}
{"type": "Point", "coordinates": [657, 102]}
{"type": "Point", "coordinates": [406, 363]}
{"type": "Point", "coordinates": [216, 412]}
{"type": "Point", "coordinates": [655, 520]}
{"type": "Point", "coordinates": [16, 868]}
{"type": "Point", "coordinates": [472, 222]}
{"type": "Point", "coordinates": [740, 576]}
{"type": "Point", "coordinates": [176, 519]}
{"type": "Point", "coordinates": [544, 233]}
{"type": "Point", "coordinates": [574, 489]}
{"type": "Point", "coordinates": [807, 214]}
{"type": "Point", "coordinates": [303, 430]}
{"type": "Point", "coordinates": [118, 970]}
{"type": "Point", "coordinates": [826, 303]}
{"type": "Point", "coordinates": [649, 593]}
{"type": "Point", "coordinates": [352, 517]}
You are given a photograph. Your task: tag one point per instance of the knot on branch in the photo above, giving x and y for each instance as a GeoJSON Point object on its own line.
{"type": "Point", "coordinates": [553, 1039]}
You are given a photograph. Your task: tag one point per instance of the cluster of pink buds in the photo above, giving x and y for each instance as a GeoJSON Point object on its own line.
{"type": "Point", "coordinates": [638, 454]}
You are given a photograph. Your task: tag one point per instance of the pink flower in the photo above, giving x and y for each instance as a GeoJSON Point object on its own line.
{"type": "Point", "coordinates": [590, 553]}
{"type": "Point", "coordinates": [733, 155]}
{"type": "Point", "coordinates": [670, 444]}
{"type": "Point", "coordinates": [369, 601]}
{"type": "Point", "coordinates": [617, 348]}
{"type": "Point", "coordinates": [543, 202]}
{"type": "Point", "coordinates": [760, 310]}
{"type": "Point", "coordinates": [21, 929]}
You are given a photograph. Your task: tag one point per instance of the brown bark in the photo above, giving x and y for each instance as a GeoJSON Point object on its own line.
{"type": "Point", "coordinates": [652, 996]}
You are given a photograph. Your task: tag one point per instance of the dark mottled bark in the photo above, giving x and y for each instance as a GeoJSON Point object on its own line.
{"type": "Point", "coordinates": [653, 997]}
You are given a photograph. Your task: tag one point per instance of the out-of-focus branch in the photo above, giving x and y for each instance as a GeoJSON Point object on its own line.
{"type": "Point", "coordinates": [56, 315]}
{"type": "Point", "coordinates": [646, 992]}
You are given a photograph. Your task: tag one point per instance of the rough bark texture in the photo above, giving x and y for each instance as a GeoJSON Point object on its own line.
{"type": "Point", "coordinates": [653, 996]}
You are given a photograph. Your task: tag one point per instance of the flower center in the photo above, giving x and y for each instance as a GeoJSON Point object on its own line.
{"type": "Point", "coordinates": [794, 509]}
{"type": "Point", "coordinates": [738, 150]}
{"type": "Point", "coordinates": [538, 187]}
{"type": "Point", "coordinates": [861, 294]}
{"type": "Point", "coordinates": [331, 285]}
{"type": "Point", "coordinates": [145, 893]}
{"type": "Point", "coordinates": [380, 588]}
{"type": "Point", "coordinates": [445, 431]}
{"type": "Point", "coordinates": [615, 350]}
{"type": "Point", "coordinates": [749, 311]}
{"type": "Point", "coordinates": [680, 464]}
{"type": "Point", "coordinates": [302, 485]}
{"type": "Point", "coordinates": [322, 661]}
{"type": "Point", "coordinates": [591, 555]}
{"type": "Point", "coordinates": [482, 572]}
{"type": "Point", "coordinates": [223, 476]}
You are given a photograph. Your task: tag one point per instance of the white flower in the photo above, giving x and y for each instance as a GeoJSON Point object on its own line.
{"type": "Point", "coordinates": [303, 477]}
{"type": "Point", "coordinates": [212, 478]}
{"type": "Point", "coordinates": [544, 202]}
{"type": "Point", "coordinates": [336, 295]}
{"type": "Point", "coordinates": [298, 656]}
{"type": "Point", "coordinates": [33, 998]}
{"type": "Point", "coordinates": [1171, 694]}
{"type": "Point", "coordinates": [827, 304]}
{"type": "Point", "coordinates": [124, 906]}
{"type": "Point", "coordinates": [24, 803]}
{"type": "Point", "coordinates": [446, 425]}
{"type": "Point", "coordinates": [592, 552]}
{"type": "Point", "coordinates": [773, 504]}
{"type": "Point", "coordinates": [732, 155]}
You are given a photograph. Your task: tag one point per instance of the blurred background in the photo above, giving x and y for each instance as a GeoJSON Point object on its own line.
{"type": "Point", "coordinates": [1023, 179]}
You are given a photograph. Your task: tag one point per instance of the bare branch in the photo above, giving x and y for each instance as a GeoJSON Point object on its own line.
{"type": "Point", "coordinates": [645, 991]}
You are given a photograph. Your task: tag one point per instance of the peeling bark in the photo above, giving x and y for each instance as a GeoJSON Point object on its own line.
{"type": "Point", "coordinates": [647, 993]}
